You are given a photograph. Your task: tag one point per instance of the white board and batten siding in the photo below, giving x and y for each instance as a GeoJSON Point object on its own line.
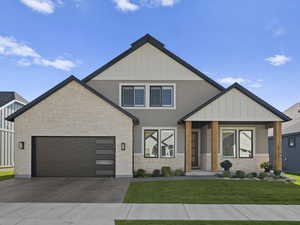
{"type": "Point", "coordinates": [7, 134]}
{"type": "Point", "coordinates": [234, 106]}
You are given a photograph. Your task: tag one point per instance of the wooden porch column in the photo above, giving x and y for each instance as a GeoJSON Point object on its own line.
{"type": "Point", "coordinates": [188, 145]}
{"type": "Point", "coordinates": [277, 145]}
{"type": "Point", "coordinates": [215, 145]}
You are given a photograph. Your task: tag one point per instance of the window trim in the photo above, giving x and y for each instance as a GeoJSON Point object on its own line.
{"type": "Point", "coordinates": [237, 141]}
{"type": "Point", "coordinates": [159, 143]}
{"type": "Point", "coordinates": [167, 157]}
{"type": "Point", "coordinates": [161, 87]}
{"type": "Point", "coordinates": [147, 96]}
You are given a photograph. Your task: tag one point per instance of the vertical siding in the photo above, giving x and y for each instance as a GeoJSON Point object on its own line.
{"type": "Point", "coordinates": [7, 135]}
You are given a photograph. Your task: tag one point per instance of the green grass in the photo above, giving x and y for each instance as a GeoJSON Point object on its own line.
{"type": "Point", "coordinates": [6, 174]}
{"type": "Point", "coordinates": [213, 192]}
{"type": "Point", "coordinates": [207, 222]}
{"type": "Point", "coordinates": [296, 176]}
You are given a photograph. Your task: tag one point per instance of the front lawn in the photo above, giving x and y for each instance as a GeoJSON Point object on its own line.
{"type": "Point", "coordinates": [207, 223]}
{"type": "Point", "coordinates": [214, 192]}
{"type": "Point", "coordinates": [6, 174]}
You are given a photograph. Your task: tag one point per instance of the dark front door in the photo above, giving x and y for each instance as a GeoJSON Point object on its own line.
{"type": "Point", "coordinates": [195, 150]}
{"type": "Point", "coordinates": [73, 156]}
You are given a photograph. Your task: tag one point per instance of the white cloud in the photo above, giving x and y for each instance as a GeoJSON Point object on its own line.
{"type": "Point", "coordinates": [9, 46]}
{"type": "Point", "coordinates": [243, 81]}
{"type": "Point", "coordinates": [232, 80]}
{"type": "Point", "coordinates": [278, 60]}
{"type": "Point", "coordinates": [126, 5]}
{"type": "Point", "coordinates": [157, 3]}
{"type": "Point", "coordinates": [42, 6]}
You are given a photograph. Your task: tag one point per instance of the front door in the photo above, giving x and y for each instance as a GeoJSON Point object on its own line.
{"type": "Point", "coordinates": [195, 150]}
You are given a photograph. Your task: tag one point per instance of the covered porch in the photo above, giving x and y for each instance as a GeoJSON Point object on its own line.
{"type": "Point", "coordinates": [232, 126]}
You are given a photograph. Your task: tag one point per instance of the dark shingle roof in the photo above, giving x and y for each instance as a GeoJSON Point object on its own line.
{"type": "Point", "coordinates": [8, 96]}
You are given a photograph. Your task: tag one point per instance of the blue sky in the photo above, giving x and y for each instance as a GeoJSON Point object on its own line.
{"type": "Point", "coordinates": [253, 42]}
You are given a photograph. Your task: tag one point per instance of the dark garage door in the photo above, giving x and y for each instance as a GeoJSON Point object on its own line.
{"type": "Point", "coordinates": [73, 156]}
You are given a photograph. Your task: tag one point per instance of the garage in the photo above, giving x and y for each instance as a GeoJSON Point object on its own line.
{"type": "Point", "coordinates": [73, 156]}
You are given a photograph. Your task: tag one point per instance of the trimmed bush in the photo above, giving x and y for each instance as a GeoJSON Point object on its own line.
{"type": "Point", "coordinates": [226, 165]}
{"type": "Point", "coordinates": [227, 174]}
{"type": "Point", "coordinates": [240, 174]}
{"type": "Point", "coordinates": [263, 175]}
{"type": "Point", "coordinates": [140, 173]}
{"type": "Point", "coordinates": [277, 173]}
{"type": "Point", "coordinates": [156, 173]}
{"type": "Point", "coordinates": [166, 171]}
{"type": "Point", "coordinates": [254, 174]}
{"type": "Point", "coordinates": [179, 173]}
{"type": "Point", "coordinates": [266, 166]}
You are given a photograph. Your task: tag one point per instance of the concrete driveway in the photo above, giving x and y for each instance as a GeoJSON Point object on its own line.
{"type": "Point", "coordinates": [82, 190]}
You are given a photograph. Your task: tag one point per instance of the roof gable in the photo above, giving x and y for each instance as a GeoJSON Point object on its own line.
{"type": "Point", "coordinates": [137, 62]}
{"type": "Point", "coordinates": [61, 85]}
{"type": "Point", "coordinates": [8, 96]}
{"type": "Point", "coordinates": [236, 104]}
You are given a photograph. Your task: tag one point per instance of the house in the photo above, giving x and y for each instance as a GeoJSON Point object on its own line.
{"type": "Point", "coordinates": [145, 109]}
{"type": "Point", "coordinates": [9, 103]}
{"type": "Point", "coordinates": [290, 140]}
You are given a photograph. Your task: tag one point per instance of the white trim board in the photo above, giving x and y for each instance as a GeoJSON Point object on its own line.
{"type": "Point", "coordinates": [147, 96]}
{"type": "Point", "coordinates": [11, 102]}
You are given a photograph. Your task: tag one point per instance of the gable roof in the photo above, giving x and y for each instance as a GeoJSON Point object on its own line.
{"type": "Point", "coordinates": [248, 94]}
{"type": "Point", "coordinates": [156, 43]}
{"type": "Point", "coordinates": [61, 85]}
{"type": "Point", "coordinates": [8, 96]}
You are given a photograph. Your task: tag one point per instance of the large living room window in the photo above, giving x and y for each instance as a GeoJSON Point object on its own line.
{"type": "Point", "coordinates": [159, 143]}
{"type": "Point", "coordinates": [133, 96]}
{"type": "Point", "coordinates": [238, 143]}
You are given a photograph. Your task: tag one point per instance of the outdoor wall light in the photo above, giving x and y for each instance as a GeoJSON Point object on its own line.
{"type": "Point", "coordinates": [123, 146]}
{"type": "Point", "coordinates": [21, 145]}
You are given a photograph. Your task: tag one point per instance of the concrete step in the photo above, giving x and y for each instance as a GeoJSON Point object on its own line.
{"type": "Point", "coordinates": [200, 173]}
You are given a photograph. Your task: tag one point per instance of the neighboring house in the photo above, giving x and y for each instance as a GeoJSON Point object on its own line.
{"type": "Point", "coordinates": [145, 109]}
{"type": "Point", "coordinates": [10, 102]}
{"type": "Point", "coordinates": [290, 140]}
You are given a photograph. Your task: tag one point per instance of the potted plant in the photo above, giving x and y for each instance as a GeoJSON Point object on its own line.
{"type": "Point", "coordinates": [266, 166]}
{"type": "Point", "coordinates": [226, 165]}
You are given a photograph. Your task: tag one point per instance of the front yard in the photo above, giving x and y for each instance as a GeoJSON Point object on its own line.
{"type": "Point", "coordinates": [207, 223]}
{"type": "Point", "coordinates": [214, 192]}
{"type": "Point", "coordinates": [6, 174]}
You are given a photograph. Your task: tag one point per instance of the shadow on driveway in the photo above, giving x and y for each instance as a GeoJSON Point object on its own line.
{"type": "Point", "coordinates": [83, 190]}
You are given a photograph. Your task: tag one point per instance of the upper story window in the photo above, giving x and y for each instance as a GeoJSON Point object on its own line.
{"type": "Point", "coordinates": [148, 95]}
{"type": "Point", "coordinates": [161, 96]}
{"type": "Point", "coordinates": [133, 96]}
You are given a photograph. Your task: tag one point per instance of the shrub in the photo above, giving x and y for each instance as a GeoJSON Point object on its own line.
{"type": "Point", "coordinates": [166, 171]}
{"type": "Point", "coordinates": [277, 173]}
{"type": "Point", "coordinates": [249, 175]}
{"type": "Point", "coordinates": [266, 166]}
{"type": "Point", "coordinates": [140, 173]}
{"type": "Point", "coordinates": [240, 174]}
{"type": "Point", "coordinates": [179, 173]}
{"type": "Point", "coordinates": [226, 174]}
{"type": "Point", "coordinates": [226, 165]}
{"type": "Point", "coordinates": [263, 175]}
{"type": "Point", "coordinates": [156, 173]}
{"type": "Point", "coordinates": [254, 174]}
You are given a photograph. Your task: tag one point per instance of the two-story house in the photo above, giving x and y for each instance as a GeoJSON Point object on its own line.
{"type": "Point", "coordinates": [10, 102]}
{"type": "Point", "coordinates": [145, 109]}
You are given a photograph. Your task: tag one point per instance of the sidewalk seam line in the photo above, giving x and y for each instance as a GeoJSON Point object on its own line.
{"type": "Point", "coordinates": [236, 208]}
{"type": "Point", "coordinates": [187, 212]}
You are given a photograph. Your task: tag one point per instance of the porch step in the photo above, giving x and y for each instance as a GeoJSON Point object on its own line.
{"type": "Point", "coordinates": [200, 173]}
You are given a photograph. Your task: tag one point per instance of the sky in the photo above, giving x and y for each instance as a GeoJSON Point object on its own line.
{"type": "Point", "coordinates": [253, 42]}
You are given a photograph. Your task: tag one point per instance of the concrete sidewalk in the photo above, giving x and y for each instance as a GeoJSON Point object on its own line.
{"type": "Point", "coordinates": [105, 214]}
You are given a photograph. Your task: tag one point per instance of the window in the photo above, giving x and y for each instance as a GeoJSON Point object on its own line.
{"type": "Point", "coordinates": [228, 142]}
{"type": "Point", "coordinates": [159, 143]}
{"type": "Point", "coordinates": [151, 143]}
{"type": "Point", "coordinates": [161, 96]}
{"type": "Point", "coordinates": [167, 143]}
{"type": "Point", "coordinates": [292, 141]}
{"type": "Point", "coordinates": [238, 143]}
{"type": "Point", "coordinates": [133, 96]}
{"type": "Point", "coordinates": [245, 143]}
